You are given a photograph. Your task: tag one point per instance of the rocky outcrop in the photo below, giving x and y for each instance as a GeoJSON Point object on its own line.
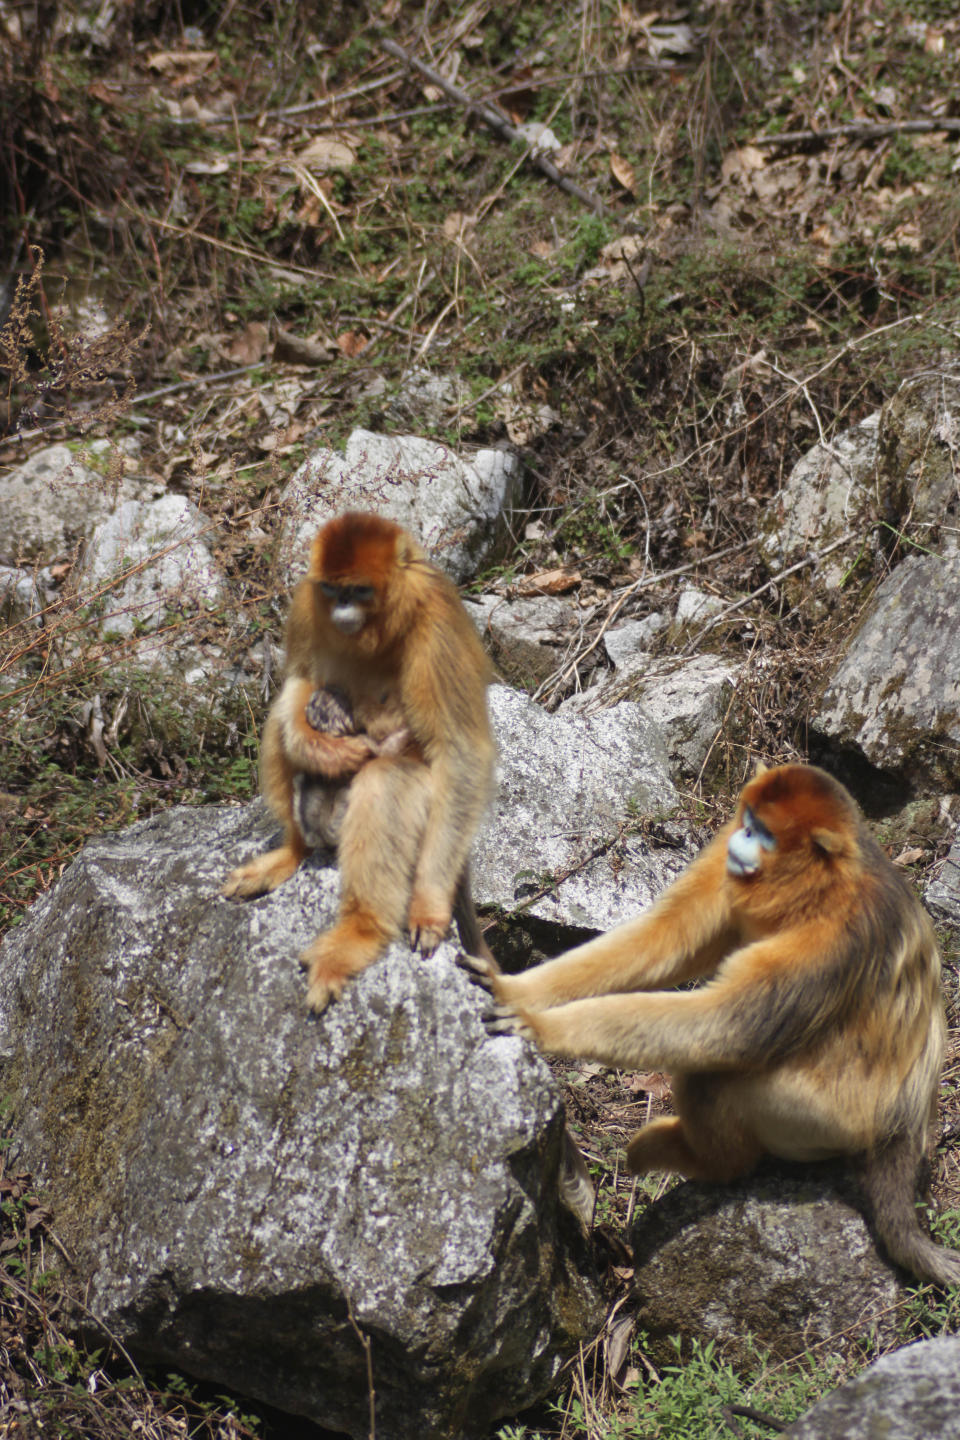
{"type": "Point", "coordinates": [785, 1255]}
{"type": "Point", "coordinates": [452, 504]}
{"type": "Point", "coordinates": [557, 841]}
{"type": "Point", "coordinates": [256, 1196]}
{"type": "Point", "coordinates": [896, 694]}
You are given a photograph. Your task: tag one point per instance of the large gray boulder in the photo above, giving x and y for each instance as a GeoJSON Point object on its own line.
{"type": "Point", "coordinates": [162, 549]}
{"type": "Point", "coordinates": [455, 505]}
{"type": "Point", "coordinates": [526, 637]}
{"type": "Point", "coordinates": [913, 1394]}
{"type": "Point", "coordinates": [919, 433]}
{"type": "Point", "coordinates": [560, 841]}
{"type": "Point", "coordinates": [784, 1256]}
{"type": "Point", "coordinates": [251, 1194]}
{"type": "Point", "coordinates": [895, 696]}
{"type": "Point", "coordinates": [53, 501]}
{"type": "Point", "coordinates": [829, 493]}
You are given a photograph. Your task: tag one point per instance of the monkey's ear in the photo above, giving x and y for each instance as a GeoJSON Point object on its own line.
{"type": "Point", "coordinates": [760, 769]}
{"type": "Point", "coordinates": [831, 842]}
{"type": "Point", "coordinates": [406, 549]}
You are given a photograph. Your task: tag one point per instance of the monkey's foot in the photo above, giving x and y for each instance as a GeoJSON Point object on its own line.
{"type": "Point", "coordinates": [661, 1145]}
{"type": "Point", "coordinates": [336, 955]}
{"type": "Point", "coordinates": [263, 874]}
{"type": "Point", "coordinates": [428, 922]}
{"type": "Point", "coordinates": [665, 1145]}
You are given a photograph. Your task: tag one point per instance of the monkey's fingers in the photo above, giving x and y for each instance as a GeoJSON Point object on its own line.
{"type": "Point", "coordinates": [338, 954]}
{"type": "Point", "coordinates": [426, 938]}
{"type": "Point", "coordinates": [319, 995]}
{"type": "Point", "coordinates": [428, 920]}
{"type": "Point", "coordinates": [480, 971]}
{"type": "Point", "coordinates": [502, 1020]}
{"type": "Point", "coordinates": [321, 988]}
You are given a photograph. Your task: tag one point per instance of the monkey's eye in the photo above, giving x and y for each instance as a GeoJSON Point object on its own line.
{"type": "Point", "coordinates": [347, 594]}
{"type": "Point", "coordinates": [757, 829]}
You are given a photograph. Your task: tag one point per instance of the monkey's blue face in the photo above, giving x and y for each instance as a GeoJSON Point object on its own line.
{"type": "Point", "coordinates": [350, 605]}
{"type": "Point", "coordinates": [746, 846]}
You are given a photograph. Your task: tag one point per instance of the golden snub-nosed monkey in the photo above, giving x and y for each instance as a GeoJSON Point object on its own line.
{"type": "Point", "coordinates": [818, 1030]}
{"type": "Point", "coordinates": [380, 741]}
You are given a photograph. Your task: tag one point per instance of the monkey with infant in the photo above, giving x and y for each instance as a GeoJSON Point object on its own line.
{"type": "Point", "coordinates": [379, 743]}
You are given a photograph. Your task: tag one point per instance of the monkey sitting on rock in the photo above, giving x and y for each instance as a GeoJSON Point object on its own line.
{"type": "Point", "coordinates": [819, 1030]}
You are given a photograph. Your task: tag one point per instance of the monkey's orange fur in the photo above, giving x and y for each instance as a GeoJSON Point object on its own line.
{"type": "Point", "coordinates": [416, 663]}
{"type": "Point", "coordinates": [819, 1032]}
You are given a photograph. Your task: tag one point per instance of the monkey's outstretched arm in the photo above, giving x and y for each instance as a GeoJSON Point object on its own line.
{"type": "Point", "coordinates": [682, 1031]}
{"type": "Point", "coordinates": [764, 1004]}
{"type": "Point", "coordinates": [684, 935]}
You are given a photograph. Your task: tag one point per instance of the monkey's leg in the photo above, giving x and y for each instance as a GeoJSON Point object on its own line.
{"type": "Point", "coordinates": [662, 1145]}
{"type": "Point", "coordinates": [706, 1140]}
{"type": "Point", "coordinates": [276, 781]}
{"type": "Point", "coordinates": [379, 842]}
{"type": "Point", "coordinates": [460, 784]}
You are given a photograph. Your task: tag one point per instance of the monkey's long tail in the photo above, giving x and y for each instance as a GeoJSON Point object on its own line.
{"type": "Point", "coordinates": [889, 1176]}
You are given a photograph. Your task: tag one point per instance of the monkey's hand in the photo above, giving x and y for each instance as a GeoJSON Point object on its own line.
{"type": "Point", "coordinates": [336, 757]}
{"type": "Point", "coordinates": [500, 1018]}
{"type": "Point", "coordinates": [263, 874]}
{"type": "Point", "coordinates": [428, 921]}
{"type": "Point", "coordinates": [393, 744]}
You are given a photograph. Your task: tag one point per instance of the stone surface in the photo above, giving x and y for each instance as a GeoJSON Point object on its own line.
{"type": "Point", "coordinates": [424, 397]}
{"type": "Point", "coordinates": [20, 597]}
{"type": "Point", "coordinates": [942, 895]}
{"type": "Point", "coordinates": [164, 545]}
{"type": "Point", "coordinates": [453, 505]}
{"type": "Point", "coordinates": [919, 443]}
{"type": "Point", "coordinates": [689, 703]}
{"type": "Point", "coordinates": [525, 637]}
{"type": "Point", "coordinates": [784, 1256]}
{"type": "Point", "coordinates": [54, 500]}
{"type": "Point", "coordinates": [567, 784]}
{"type": "Point", "coordinates": [695, 605]}
{"type": "Point", "coordinates": [243, 1187]}
{"type": "Point", "coordinates": [627, 644]}
{"type": "Point", "coordinates": [896, 694]}
{"type": "Point", "coordinates": [828, 492]}
{"type": "Point", "coordinates": [913, 1394]}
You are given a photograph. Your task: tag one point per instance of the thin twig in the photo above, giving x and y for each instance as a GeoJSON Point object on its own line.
{"type": "Point", "coordinates": [813, 558]}
{"type": "Point", "coordinates": [191, 233]}
{"type": "Point", "coordinates": [371, 1393]}
{"type": "Point", "coordinates": [699, 450]}
{"type": "Point", "coordinates": [859, 130]}
{"type": "Point", "coordinates": [558, 678]}
{"type": "Point", "coordinates": [323, 102]}
{"type": "Point", "coordinates": [498, 124]}
{"type": "Point", "coordinates": [71, 420]}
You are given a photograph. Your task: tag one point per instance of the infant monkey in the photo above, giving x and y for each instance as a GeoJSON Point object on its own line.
{"type": "Point", "coordinates": [319, 804]}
